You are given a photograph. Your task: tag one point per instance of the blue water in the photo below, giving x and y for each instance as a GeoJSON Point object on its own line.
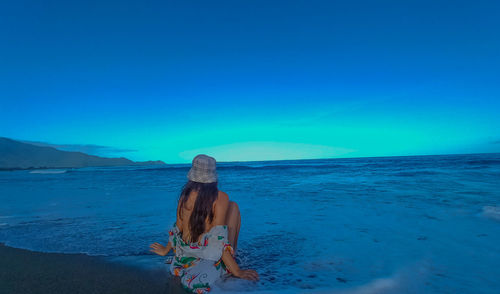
{"type": "Point", "coordinates": [423, 224]}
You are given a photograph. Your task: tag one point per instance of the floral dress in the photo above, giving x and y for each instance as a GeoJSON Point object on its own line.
{"type": "Point", "coordinates": [199, 264]}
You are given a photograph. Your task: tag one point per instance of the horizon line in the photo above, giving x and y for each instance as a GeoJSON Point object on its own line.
{"type": "Point", "coordinates": [421, 155]}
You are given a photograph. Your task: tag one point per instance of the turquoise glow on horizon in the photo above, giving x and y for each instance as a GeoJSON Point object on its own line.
{"type": "Point", "coordinates": [316, 79]}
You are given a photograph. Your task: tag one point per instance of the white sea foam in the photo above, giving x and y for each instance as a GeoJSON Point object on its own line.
{"type": "Point", "coordinates": [406, 280]}
{"type": "Point", "coordinates": [387, 285]}
{"type": "Point", "coordinates": [492, 212]}
{"type": "Point", "coordinates": [48, 171]}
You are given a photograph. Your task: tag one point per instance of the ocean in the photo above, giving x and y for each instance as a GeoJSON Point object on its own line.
{"type": "Point", "coordinates": [416, 224]}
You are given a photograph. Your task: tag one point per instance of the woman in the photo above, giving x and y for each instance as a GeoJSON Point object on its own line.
{"type": "Point", "coordinates": [205, 234]}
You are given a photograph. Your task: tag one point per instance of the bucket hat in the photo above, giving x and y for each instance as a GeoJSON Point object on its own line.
{"type": "Point", "coordinates": [203, 169]}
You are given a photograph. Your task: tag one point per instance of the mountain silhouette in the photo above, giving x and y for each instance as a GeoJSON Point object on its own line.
{"type": "Point", "coordinates": [19, 155]}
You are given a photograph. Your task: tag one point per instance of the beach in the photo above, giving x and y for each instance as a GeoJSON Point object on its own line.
{"type": "Point", "coordinates": [418, 224]}
{"type": "Point", "coordinates": [24, 271]}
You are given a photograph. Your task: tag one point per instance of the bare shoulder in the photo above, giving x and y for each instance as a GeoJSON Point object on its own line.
{"type": "Point", "coordinates": [220, 208]}
{"type": "Point", "coordinates": [223, 197]}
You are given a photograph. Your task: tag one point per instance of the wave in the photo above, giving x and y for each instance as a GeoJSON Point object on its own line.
{"type": "Point", "coordinates": [483, 162]}
{"type": "Point", "coordinates": [491, 212]}
{"type": "Point", "coordinates": [48, 171]}
{"type": "Point", "coordinates": [415, 173]}
{"type": "Point", "coordinates": [409, 279]}
{"type": "Point", "coordinates": [282, 166]}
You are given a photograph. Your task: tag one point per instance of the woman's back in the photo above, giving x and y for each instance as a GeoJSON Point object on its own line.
{"type": "Point", "coordinates": [199, 262]}
{"type": "Point", "coordinates": [184, 212]}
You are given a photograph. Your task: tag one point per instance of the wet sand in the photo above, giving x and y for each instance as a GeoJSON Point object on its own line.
{"type": "Point", "coordinates": [24, 271]}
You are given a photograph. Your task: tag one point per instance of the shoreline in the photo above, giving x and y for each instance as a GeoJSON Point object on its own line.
{"type": "Point", "coordinates": [25, 271]}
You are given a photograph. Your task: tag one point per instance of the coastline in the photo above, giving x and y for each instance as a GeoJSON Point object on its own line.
{"type": "Point", "coordinates": [24, 271]}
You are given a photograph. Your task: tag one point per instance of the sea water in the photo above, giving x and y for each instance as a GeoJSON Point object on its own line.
{"type": "Point", "coordinates": [420, 224]}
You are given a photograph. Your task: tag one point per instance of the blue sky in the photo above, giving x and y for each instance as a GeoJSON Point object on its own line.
{"type": "Point", "coordinates": [252, 80]}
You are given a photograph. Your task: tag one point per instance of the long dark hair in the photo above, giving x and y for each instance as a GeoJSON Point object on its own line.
{"type": "Point", "coordinates": [207, 194]}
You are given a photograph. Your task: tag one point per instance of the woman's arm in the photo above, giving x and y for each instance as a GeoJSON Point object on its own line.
{"type": "Point", "coordinates": [233, 267]}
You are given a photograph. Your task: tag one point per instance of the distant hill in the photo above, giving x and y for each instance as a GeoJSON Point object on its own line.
{"type": "Point", "coordinates": [19, 155]}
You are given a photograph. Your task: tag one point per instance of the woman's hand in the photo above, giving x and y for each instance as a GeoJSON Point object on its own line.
{"type": "Point", "coordinates": [247, 275]}
{"type": "Point", "coordinates": [233, 267]}
{"type": "Point", "coordinates": [159, 249]}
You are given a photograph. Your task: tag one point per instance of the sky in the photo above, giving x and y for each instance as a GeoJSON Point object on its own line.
{"type": "Point", "coordinates": [252, 80]}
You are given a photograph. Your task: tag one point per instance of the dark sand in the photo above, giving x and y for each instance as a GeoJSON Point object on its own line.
{"type": "Point", "coordinates": [24, 271]}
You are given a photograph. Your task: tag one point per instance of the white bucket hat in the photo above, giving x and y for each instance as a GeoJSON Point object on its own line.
{"type": "Point", "coordinates": [203, 169]}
